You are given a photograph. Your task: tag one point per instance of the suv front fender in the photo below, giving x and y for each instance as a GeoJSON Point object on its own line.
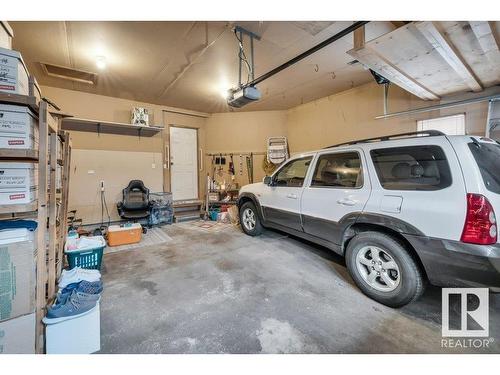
{"type": "Point", "coordinates": [250, 197]}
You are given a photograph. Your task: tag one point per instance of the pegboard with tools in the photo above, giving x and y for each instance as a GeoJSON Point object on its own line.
{"type": "Point", "coordinates": [227, 165]}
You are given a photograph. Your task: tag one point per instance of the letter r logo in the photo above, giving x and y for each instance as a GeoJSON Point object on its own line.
{"type": "Point", "coordinates": [468, 308]}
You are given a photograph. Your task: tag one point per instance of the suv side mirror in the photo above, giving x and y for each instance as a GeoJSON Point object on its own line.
{"type": "Point", "coordinates": [268, 180]}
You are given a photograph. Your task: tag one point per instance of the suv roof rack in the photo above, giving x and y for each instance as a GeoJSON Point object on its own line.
{"type": "Point", "coordinates": [428, 133]}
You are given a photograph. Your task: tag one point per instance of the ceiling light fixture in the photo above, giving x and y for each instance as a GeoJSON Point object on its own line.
{"type": "Point", "coordinates": [101, 62]}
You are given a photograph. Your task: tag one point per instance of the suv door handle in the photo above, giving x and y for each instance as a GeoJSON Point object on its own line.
{"type": "Point", "coordinates": [291, 196]}
{"type": "Point", "coordinates": [346, 202]}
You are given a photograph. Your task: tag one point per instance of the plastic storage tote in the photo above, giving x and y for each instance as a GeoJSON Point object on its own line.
{"type": "Point", "coordinates": [161, 211]}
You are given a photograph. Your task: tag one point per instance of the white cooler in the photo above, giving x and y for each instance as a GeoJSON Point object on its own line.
{"type": "Point", "coordinates": [18, 127]}
{"type": "Point", "coordinates": [14, 78]}
{"type": "Point", "coordinates": [18, 183]}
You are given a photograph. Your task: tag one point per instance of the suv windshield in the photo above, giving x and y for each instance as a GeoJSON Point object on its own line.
{"type": "Point", "coordinates": [487, 157]}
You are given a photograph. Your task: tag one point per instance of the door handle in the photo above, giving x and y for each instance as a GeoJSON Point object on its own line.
{"type": "Point", "coordinates": [346, 202]}
{"type": "Point", "coordinates": [291, 196]}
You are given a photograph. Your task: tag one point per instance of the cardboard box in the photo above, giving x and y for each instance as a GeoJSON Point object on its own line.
{"type": "Point", "coordinates": [81, 335]}
{"type": "Point", "coordinates": [17, 272]}
{"type": "Point", "coordinates": [6, 35]}
{"type": "Point", "coordinates": [17, 336]}
{"type": "Point", "coordinates": [18, 183]}
{"type": "Point", "coordinates": [13, 73]}
{"type": "Point", "coordinates": [18, 127]}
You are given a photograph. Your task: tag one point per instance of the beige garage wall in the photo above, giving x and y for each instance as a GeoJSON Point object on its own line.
{"type": "Point", "coordinates": [115, 169]}
{"type": "Point", "coordinates": [236, 132]}
{"type": "Point", "coordinates": [116, 159]}
{"type": "Point", "coordinates": [351, 114]}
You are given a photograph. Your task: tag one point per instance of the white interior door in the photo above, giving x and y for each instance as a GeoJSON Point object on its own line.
{"type": "Point", "coordinates": [183, 163]}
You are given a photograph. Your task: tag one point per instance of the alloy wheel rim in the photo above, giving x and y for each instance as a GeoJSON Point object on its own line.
{"type": "Point", "coordinates": [248, 219]}
{"type": "Point", "coordinates": [378, 269]}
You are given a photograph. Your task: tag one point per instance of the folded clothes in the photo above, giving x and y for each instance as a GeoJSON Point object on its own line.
{"type": "Point", "coordinates": [83, 243]}
{"type": "Point", "coordinates": [76, 275]}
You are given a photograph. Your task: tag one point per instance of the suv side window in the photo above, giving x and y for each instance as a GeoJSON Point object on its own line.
{"type": "Point", "coordinates": [341, 170]}
{"type": "Point", "coordinates": [412, 168]}
{"type": "Point", "coordinates": [293, 173]}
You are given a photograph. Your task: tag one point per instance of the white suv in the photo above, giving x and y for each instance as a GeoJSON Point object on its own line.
{"type": "Point", "coordinates": [402, 209]}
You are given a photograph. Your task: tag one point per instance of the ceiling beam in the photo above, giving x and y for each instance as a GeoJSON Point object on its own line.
{"type": "Point", "coordinates": [398, 24]}
{"type": "Point", "coordinates": [382, 66]}
{"type": "Point", "coordinates": [359, 37]}
{"type": "Point", "coordinates": [440, 43]}
{"type": "Point", "coordinates": [485, 35]}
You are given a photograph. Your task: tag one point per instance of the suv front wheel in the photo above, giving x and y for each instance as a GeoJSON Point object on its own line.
{"type": "Point", "coordinates": [383, 269]}
{"type": "Point", "coordinates": [249, 219]}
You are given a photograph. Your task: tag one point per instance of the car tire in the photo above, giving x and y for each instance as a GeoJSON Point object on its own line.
{"type": "Point", "coordinates": [397, 279]}
{"type": "Point", "coordinates": [250, 220]}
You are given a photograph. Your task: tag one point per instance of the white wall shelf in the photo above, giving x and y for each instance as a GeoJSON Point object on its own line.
{"type": "Point", "coordinates": [106, 127]}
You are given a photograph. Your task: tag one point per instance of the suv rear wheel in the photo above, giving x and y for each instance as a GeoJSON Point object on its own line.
{"type": "Point", "coordinates": [383, 269]}
{"type": "Point", "coordinates": [249, 219]}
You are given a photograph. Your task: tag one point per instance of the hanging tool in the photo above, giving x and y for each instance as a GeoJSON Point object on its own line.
{"type": "Point", "coordinates": [250, 168]}
{"type": "Point", "coordinates": [231, 167]}
{"type": "Point", "coordinates": [220, 171]}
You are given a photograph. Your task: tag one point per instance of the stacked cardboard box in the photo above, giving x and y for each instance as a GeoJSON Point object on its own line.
{"type": "Point", "coordinates": [17, 288]}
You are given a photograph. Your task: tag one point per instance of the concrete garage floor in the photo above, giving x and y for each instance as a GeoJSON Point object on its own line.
{"type": "Point", "coordinates": [225, 292]}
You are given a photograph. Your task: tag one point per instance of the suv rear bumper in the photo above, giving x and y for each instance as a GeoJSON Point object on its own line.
{"type": "Point", "coordinates": [457, 264]}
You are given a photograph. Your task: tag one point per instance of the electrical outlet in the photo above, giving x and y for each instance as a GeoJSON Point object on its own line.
{"type": "Point", "coordinates": [153, 166]}
{"type": "Point", "coordinates": [102, 185]}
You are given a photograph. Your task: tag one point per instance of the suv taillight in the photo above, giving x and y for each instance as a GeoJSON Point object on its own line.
{"type": "Point", "coordinates": [480, 222]}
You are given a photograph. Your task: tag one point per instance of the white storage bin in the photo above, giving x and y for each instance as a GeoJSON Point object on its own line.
{"type": "Point", "coordinates": [14, 77]}
{"type": "Point", "coordinates": [18, 127]}
{"type": "Point", "coordinates": [17, 336]}
{"type": "Point", "coordinates": [6, 35]}
{"type": "Point", "coordinates": [18, 183]}
{"type": "Point", "coordinates": [80, 335]}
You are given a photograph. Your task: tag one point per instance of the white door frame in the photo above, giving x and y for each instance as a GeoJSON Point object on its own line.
{"type": "Point", "coordinates": [197, 156]}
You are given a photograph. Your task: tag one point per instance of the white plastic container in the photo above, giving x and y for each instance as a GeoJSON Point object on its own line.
{"type": "Point", "coordinates": [17, 336]}
{"type": "Point", "coordinates": [6, 35]}
{"type": "Point", "coordinates": [13, 73]}
{"type": "Point", "coordinates": [81, 335]}
{"type": "Point", "coordinates": [18, 183]}
{"type": "Point", "coordinates": [18, 127]}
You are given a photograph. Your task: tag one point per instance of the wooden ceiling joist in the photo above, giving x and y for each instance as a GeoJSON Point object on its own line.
{"type": "Point", "coordinates": [382, 66]}
{"type": "Point", "coordinates": [359, 37]}
{"type": "Point", "coordinates": [439, 42]}
{"type": "Point", "coordinates": [485, 36]}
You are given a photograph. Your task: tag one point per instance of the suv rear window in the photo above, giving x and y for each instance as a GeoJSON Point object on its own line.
{"type": "Point", "coordinates": [487, 157]}
{"type": "Point", "coordinates": [422, 168]}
